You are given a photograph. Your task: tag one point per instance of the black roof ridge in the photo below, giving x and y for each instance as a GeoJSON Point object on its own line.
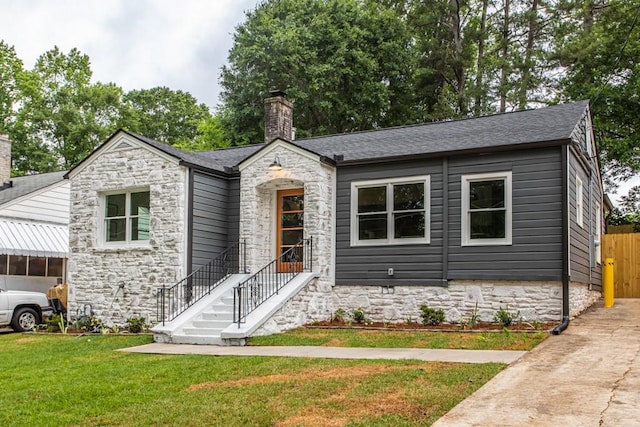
{"type": "Point", "coordinates": [456, 120]}
{"type": "Point", "coordinates": [234, 147]}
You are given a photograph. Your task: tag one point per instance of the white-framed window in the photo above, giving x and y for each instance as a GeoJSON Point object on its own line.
{"type": "Point", "coordinates": [486, 209]}
{"type": "Point", "coordinates": [390, 211]}
{"type": "Point", "coordinates": [579, 202]}
{"type": "Point", "coordinates": [126, 217]}
{"type": "Point", "coordinates": [598, 234]}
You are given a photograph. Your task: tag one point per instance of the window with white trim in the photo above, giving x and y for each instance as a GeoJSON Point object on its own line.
{"type": "Point", "coordinates": [126, 217]}
{"type": "Point", "coordinates": [579, 202]}
{"type": "Point", "coordinates": [598, 234]}
{"type": "Point", "coordinates": [486, 209]}
{"type": "Point", "coordinates": [391, 211]}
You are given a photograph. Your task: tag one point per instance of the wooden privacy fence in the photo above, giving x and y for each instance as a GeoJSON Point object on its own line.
{"type": "Point", "coordinates": [625, 251]}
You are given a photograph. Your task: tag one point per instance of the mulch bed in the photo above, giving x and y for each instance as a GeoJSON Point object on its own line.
{"type": "Point", "coordinates": [443, 327]}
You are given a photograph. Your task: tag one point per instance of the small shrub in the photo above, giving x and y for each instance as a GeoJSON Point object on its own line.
{"type": "Point", "coordinates": [431, 316]}
{"type": "Point", "coordinates": [505, 317]}
{"type": "Point", "coordinates": [475, 317]}
{"type": "Point", "coordinates": [89, 324]}
{"type": "Point", "coordinates": [339, 315]}
{"type": "Point", "coordinates": [136, 325]}
{"type": "Point", "coordinates": [359, 316]}
{"type": "Point", "coordinates": [53, 322]}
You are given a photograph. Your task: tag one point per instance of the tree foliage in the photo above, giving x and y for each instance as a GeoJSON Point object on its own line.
{"type": "Point", "coordinates": [602, 54]}
{"type": "Point", "coordinates": [449, 59]}
{"type": "Point", "coordinates": [10, 69]}
{"type": "Point", "coordinates": [347, 64]}
{"type": "Point", "coordinates": [55, 115]}
{"type": "Point", "coordinates": [352, 65]}
{"type": "Point", "coordinates": [163, 114]}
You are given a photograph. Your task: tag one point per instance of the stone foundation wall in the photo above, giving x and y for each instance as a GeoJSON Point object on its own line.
{"type": "Point", "coordinates": [119, 282]}
{"type": "Point", "coordinates": [535, 301]}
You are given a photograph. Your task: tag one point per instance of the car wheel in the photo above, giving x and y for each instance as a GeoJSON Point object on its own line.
{"type": "Point", "coordinates": [25, 319]}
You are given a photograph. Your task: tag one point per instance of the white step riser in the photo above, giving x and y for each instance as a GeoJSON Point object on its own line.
{"type": "Point", "coordinates": [210, 324]}
{"type": "Point", "coordinates": [215, 332]}
{"type": "Point", "coordinates": [217, 315]}
{"type": "Point", "coordinates": [195, 339]}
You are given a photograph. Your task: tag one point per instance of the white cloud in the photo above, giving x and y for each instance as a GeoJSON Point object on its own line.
{"type": "Point", "coordinates": [135, 44]}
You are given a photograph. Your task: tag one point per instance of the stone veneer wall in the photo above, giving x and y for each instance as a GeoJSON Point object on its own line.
{"type": "Point", "coordinates": [536, 301]}
{"type": "Point", "coordinates": [258, 188]}
{"type": "Point", "coordinates": [94, 271]}
{"type": "Point", "coordinates": [541, 301]}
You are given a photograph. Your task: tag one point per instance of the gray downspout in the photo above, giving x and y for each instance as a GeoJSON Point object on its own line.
{"type": "Point", "coordinates": [565, 243]}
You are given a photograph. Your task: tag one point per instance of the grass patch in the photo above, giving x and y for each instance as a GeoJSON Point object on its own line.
{"type": "Point", "coordinates": [82, 382]}
{"type": "Point", "coordinates": [504, 340]}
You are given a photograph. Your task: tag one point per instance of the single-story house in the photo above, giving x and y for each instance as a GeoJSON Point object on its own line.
{"type": "Point", "coordinates": [501, 211]}
{"type": "Point", "coordinates": [34, 218]}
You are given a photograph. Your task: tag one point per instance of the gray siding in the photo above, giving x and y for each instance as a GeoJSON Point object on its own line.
{"type": "Point", "coordinates": [535, 252]}
{"type": "Point", "coordinates": [419, 264]}
{"type": "Point", "coordinates": [233, 212]}
{"type": "Point", "coordinates": [583, 265]}
{"type": "Point", "coordinates": [210, 218]}
{"type": "Point", "coordinates": [536, 228]}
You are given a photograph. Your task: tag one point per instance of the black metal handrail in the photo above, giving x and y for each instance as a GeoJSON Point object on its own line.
{"type": "Point", "coordinates": [268, 281]}
{"type": "Point", "coordinates": [175, 300]}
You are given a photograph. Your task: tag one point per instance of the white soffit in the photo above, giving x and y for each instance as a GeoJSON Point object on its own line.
{"type": "Point", "coordinates": [33, 239]}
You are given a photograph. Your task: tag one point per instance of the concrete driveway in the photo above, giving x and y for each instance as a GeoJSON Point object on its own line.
{"type": "Point", "coordinates": [587, 376]}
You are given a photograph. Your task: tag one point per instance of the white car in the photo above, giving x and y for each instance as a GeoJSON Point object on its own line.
{"type": "Point", "coordinates": [23, 310]}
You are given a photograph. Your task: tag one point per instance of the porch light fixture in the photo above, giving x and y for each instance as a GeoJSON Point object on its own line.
{"type": "Point", "coordinates": [275, 166]}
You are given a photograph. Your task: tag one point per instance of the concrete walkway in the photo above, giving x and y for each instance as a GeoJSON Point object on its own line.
{"type": "Point", "coordinates": [587, 376]}
{"type": "Point", "coordinates": [430, 355]}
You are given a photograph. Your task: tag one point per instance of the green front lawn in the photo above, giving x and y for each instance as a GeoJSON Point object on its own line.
{"type": "Point", "coordinates": [504, 340]}
{"type": "Point", "coordinates": [82, 381]}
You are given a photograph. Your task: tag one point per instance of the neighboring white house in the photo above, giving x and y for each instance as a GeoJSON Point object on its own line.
{"type": "Point", "coordinates": [34, 227]}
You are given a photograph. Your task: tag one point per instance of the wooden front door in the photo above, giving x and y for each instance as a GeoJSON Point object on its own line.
{"type": "Point", "coordinates": [290, 229]}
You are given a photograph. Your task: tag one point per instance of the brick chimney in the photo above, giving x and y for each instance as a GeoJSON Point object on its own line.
{"type": "Point", "coordinates": [278, 117]}
{"type": "Point", "coordinates": [5, 159]}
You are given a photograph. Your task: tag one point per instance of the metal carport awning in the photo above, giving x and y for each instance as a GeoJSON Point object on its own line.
{"type": "Point", "coordinates": [19, 237]}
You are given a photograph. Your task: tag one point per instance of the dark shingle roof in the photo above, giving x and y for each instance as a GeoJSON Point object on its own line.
{"type": "Point", "coordinates": [217, 160]}
{"type": "Point", "coordinates": [24, 185]}
{"type": "Point", "coordinates": [549, 124]}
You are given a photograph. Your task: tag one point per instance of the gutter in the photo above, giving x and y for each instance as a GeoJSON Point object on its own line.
{"type": "Point", "coordinates": [565, 242]}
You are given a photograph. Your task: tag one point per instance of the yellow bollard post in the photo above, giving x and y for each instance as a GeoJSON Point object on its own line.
{"type": "Point", "coordinates": [607, 282]}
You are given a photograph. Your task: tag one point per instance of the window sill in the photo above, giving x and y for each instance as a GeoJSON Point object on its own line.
{"type": "Point", "coordinates": [366, 243]}
{"type": "Point", "coordinates": [488, 243]}
{"type": "Point", "coordinates": [122, 248]}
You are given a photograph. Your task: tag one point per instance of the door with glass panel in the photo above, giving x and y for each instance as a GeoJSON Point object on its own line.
{"type": "Point", "coordinates": [290, 229]}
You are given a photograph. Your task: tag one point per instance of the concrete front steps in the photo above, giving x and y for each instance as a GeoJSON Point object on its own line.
{"type": "Point", "coordinates": [210, 320]}
{"type": "Point", "coordinates": [202, 322]}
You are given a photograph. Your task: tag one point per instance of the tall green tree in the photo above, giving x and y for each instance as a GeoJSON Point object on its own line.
{"type": "Point", "coordinates": [10, 69]}
{"type": "Point", "coordinates": [347, 64]}
{"type": "Point", "coordinates": [602, 65]}
{"type": "Point", "coordinates": [62, 116]}
{"type": "Point", "coordinates": [163, 114]}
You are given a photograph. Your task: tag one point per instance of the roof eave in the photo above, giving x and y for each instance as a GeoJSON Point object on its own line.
{"type": "Point", "coordinates": [438, 154]}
